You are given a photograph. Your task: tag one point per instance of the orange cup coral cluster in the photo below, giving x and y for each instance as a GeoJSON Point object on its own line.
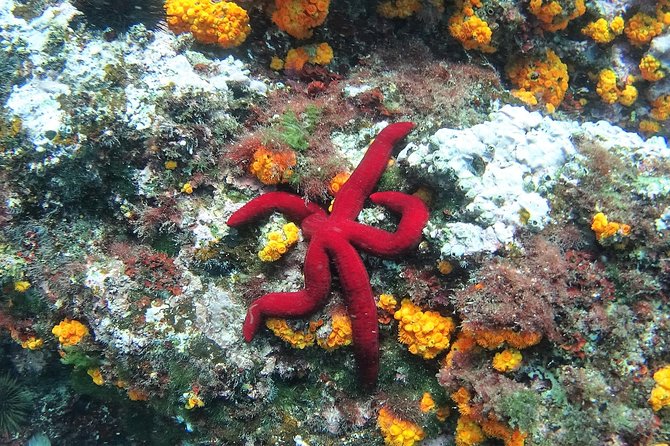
{"type": "Point", "coordinates": [222, 23]}
{"type": "Point", "coordinates": [427, 333]}
{"type": "Point", "coordinates": [604, 228]}
{"type": "Point", "coordinates": [555, 15]}
{"type": "Point", "coordinates": [472, 31]}
{"type": "Point", "coordinates": [279, 242]}
{"type": "Point", "coordinates": [272, 167]}
{"type": "Point", "coordinates": [396, 431]}
{"type": "Point", "coordinates": [398, 9]}
{"type": "Point", "coordinates": [296, 338]}
{"type": "Point", "coordinates": [603, 31]}
{"type": "Point", "coordinates": [472, 427]}
{"type": "Point", "coordinates": [341, 333]}
{"type": "Point", "coordinates": [296, 58]}
{"type": "Point", "coordinates": [651, 68]}
{"type": "Point", "coordinates": [610, 92]}
{"type": "Point", "coordinates": [70, 332]}
{"type": "Point", "coordinates": [299, 17]}
{"type": "Point", "coordinates": [337, 182]}
{"type": "Point", "coordinates": [540, 81]}
{"type": "Point", "coordinates": [660, 394]}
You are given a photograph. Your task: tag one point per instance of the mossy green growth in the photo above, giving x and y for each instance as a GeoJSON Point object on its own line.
{"type": "Point", "coordinates": [78, 358]}
{"type": "Point", "coordinates": [521, 409]}
{"type": "Point", "coordinates": [295, 131]}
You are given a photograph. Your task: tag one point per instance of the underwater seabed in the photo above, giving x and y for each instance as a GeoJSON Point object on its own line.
{"type": "Point", "coordinates": [456, 216]}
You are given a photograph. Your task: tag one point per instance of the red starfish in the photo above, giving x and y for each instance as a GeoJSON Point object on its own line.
{"type": "Point", "coordinates": [336, 236]}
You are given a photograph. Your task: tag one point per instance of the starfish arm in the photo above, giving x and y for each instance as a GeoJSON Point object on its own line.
{"type": "Point", "coordinates": [295, 208]}
{"type": "Point", "coordinates": [293, 304]}
{"type": "Point", "coordinates": [413, 217]}
{"type": "Point", "coordinates": [360, 306]}
{"type": "Point", "coordinates": [362, 181]}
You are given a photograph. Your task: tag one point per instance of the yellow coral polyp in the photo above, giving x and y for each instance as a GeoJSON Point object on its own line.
{"type": "Point", "coordinates": [96, 376]}
{"type": "Point", "coordinates": [603, 32]}
{"type": "Point", "coordinates": [222, 23]}
{"type": "Point", "coordinates": [540, 81]}
{"type": "Point", "coordinates": [495, 338]}
{"type": "Point", "coordinates": [427, 403]}
{"type": "Point", "coordinates": [609, 91]}
{"type": "Point", "coordinates": [398, 9]}
{"type": "Point", "coordinates": [661, 108]}
{"type": "Point", "coordinates": [337, 182]}
{"type": "Point", "coordinates": [468, 432]}
{"type": "Point", "coordinates": [341, 333]}
{"type": "Point", "coordinates": [295, 338]}
{"type": "Point", "coordinates": [507, 360]}
{"type": "Point", "coordinates": [387, 302]}
{"type": "Point", "coordinates": [21, 286]}
{"type": "Point", "coordinates": [396, 431]}
{"type": "Point", "coordinates": [641, 28]}
{"type": "Point", "coordinates": [472, 32]}
{"type": "Point", "coordinates": [604, 228]}
{"type": "Point", "coordinates": [32, 343]}
{"type": "Point", "coordinates": [70, 332]}
{"type": "Point", "coordinates": [272, 167]}
{"type": "Point", "coordinates": [296, 58]}
{"type": "Point", "coordinates": [426, 333]}
{"type": "Point", "coordinates": [552, 16]}
{"type": "Point", "coordinates": [650, 68]}
{"type": "Point", "coordinates": [660, 394]}
{"type": "Point", "coordinates": [279, 242]}
{"type": "Point", "coordinates": [299, 17]}
{"type": "Point", "coordinates": [193, 400]}
{"type": "Point", "coordinates": [649, 127]}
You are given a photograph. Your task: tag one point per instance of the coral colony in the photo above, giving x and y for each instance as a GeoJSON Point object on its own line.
{"type": "Point", "coordinates": [304, 222]}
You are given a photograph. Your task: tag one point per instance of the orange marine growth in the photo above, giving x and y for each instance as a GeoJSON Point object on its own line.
{"type": "Point", "coordinates": [299, 17]}
{"type": "Point", "coordinates": [69, 332]}
{"type": "Point", "coordinates": [297, 339]}
{"type": "Point", "coordinates": [553, 16]}
{"type": "Point", "coordinates": [222, 23]}
{"type": "Point", "coordinates": [396, 431]}
{"type": "Point", "coordinates": [341, 333]}
{"type": "Point", "coordinates": [425, 332]}
{"type": "Point", "coordinates": [398, 9]}
{"type": "Point", "coordinates": [660, 394]}
{"type": "Point", "coordinates": [495, 338]}
{"type": "Point", "coordinates": [539, 81]}
{"type": "Point", "coordinates": [272, 167]}
{"type": "Point", "coordinates": [605, 229]}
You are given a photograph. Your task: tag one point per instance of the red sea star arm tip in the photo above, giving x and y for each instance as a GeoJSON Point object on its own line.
{"type": "Point", "coordinates": [363, 180]}
{"type": "Point", "coordinates": [413, 217]}
{"type": "Point", "coordinates": [293, 206]}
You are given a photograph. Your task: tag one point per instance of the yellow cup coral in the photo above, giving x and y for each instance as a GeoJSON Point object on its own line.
{"type": "Point", "coordinates": [540, 81]}
{"type": "Point", "coordinates": [222, 23]}
{"type": "Point", "coordinates": [21, 286]}
{"type": "Point", "coordinates": [398, 9]}
{"type": "Point", "coordinates": [340, 335]}
{"type": "Point", "coordinates": [641, 28]}
{"type": "Point", "coordinates": [279, 242]}
{"type": "Point", "coordinates": [396, 431]}
{"type": "Point", "coordinates": [553, 16]}
{"type": "Point", "coordinates": [507, 360]}
{"type": "Point", "coordinates": [651, 70]}
{"type": "Point", "coordinates": [471, 31]}
{"type": "Point", "coordinates": [295, 338]}
{"type": "Point", "coordinates": [32, 343]}
{"type": "Point", "coordinates": [603, 32]}
{"type": "Point", "coordinates": [660, 394]}
{"type": "Point", "coordinates": [604, 228]}
{"type": "Point", "coordinates": [299, 17]}
{"type": "Point", "coordinates": [69, 332]}
{"type": "Point", "coordinates": [609, 91]}
{"type": "Point", "coordinates": [96, 376]}
{"type": "Point", "coordinates": [425, 332]}
{"type": "Point", "coordinates": [468, 432]}
{"type": "Point", "coordinates": [272, 167]}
